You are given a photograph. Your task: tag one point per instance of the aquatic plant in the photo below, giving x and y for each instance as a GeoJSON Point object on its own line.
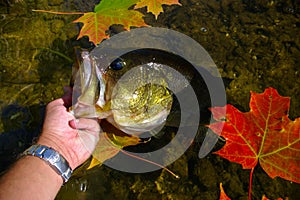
{"type": "Point", "coordinates": [265, 134]}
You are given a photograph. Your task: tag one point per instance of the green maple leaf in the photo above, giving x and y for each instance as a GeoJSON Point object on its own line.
{"type": "Point", "coordinates": [155, 6]}
{"type": "Point", "coordinates": [107, 13]}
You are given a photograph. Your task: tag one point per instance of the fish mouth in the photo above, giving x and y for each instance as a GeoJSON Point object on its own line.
{"type": "Point", "coordinates": [152, 125]}
{"type": "Point", "coordinates": [145, 110]}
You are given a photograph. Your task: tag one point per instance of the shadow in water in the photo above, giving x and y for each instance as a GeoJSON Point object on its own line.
{"type": "Point", "coordinates": [21, 126]}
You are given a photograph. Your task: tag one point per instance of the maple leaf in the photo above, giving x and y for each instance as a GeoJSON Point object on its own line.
{"type": "Point", "coordinates": [265, 134]}
{"type": "Point", "coordinates": [107, 148]}
{"type": "Point", "coordinates": [223, 195]}
{"type": "Point", "coordinates": [107, 13]}
{"type": "Point", "coordinates": [265, 198]}
{"type": "Point", "coordinates": [155, 6]}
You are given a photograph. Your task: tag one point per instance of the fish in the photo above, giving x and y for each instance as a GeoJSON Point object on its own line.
{"type": "Point", "coordinates": [135, 93]}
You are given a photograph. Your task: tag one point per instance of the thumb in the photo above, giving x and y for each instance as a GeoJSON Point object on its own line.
{"type": "Point", "coordinates": [85, 124]}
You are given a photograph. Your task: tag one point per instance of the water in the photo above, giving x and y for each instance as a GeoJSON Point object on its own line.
{"type": "Point", "coordinates": [255, 44]}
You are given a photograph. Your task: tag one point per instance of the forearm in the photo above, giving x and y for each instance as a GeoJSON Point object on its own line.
{"type": "Point", "coordinates": [30, 178]}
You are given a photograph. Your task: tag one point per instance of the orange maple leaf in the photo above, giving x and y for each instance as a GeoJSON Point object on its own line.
{"type": "Point", "coordinates": [155, 6]}
{"type": "Point", "coordinates": [107, 13]}
{"type": "Point", "coordinates": [96, 24]}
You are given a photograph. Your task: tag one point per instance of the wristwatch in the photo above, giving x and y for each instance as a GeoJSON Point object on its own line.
{"type": "Point", "coordinates": [53, 158]}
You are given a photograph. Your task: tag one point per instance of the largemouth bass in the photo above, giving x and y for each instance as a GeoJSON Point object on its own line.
{"type": "Point", "coordinates": [135, 93]}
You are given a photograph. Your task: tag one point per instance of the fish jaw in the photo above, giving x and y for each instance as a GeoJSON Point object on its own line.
{"type": "Point", "coordinates": [147, 125]}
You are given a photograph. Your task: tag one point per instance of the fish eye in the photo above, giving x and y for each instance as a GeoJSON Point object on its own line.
{"type": "Point", "coordinates": [118, 64]}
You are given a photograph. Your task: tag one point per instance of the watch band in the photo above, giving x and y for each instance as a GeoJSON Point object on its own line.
{"type": "Point", "coordinates": [53, 158]}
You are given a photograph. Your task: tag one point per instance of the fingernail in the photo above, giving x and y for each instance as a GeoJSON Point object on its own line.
{"type": "Point", "coordinates": [73, 123]}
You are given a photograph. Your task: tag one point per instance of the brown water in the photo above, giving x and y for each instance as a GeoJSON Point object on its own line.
{"type": "Point", "coordinates": [255, 44]}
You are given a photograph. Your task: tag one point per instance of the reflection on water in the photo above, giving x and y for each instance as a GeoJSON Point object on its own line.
{"type": "Point", "coordinates": [255, 44]}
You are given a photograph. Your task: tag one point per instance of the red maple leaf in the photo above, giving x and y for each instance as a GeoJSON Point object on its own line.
{"type": "Point", "coordinates": [264, 134]}
{"type": "Point", "coordinates": [223, 195]}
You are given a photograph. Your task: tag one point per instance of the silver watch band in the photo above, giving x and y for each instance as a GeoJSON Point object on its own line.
{"type": "Point", "coordinates": [53, 158]}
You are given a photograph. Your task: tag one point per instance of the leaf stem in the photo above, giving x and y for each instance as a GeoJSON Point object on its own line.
{"type": "Point", "coordinates": [59, 13]}
{"type": "Point", "coordinates": [250, 184]}
{"type": "Point", "coordinates": [151, 162]}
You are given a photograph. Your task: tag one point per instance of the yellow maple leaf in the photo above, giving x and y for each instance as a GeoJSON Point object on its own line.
{"type": "Point", "coordinates": [155, 6]}
{"type": "Point", "coordinates": [107, 148]}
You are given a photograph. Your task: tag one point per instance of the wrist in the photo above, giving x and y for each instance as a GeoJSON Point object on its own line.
{"type": "Point", "coordinates": [41, 165]}
{"type": "Point", "coordinates": [30, 178]}
{"type": "Point", "coordinates": [61, 148]}
{"type": "Point", "coordinates": [54, 159]}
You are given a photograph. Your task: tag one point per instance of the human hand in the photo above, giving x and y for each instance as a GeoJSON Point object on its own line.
{"type": "Point", "coordinates": [74, 139]}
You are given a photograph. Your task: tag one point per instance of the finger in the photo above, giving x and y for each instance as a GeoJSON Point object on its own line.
{"type": "Point", "coordinates": [57, 102]}
{"type": "Point", "coordinates": [73, 123]}
{"type": "Point", "coordinates": [58, 106]}
{"type": "Point", "coordinates": [85, 124]}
